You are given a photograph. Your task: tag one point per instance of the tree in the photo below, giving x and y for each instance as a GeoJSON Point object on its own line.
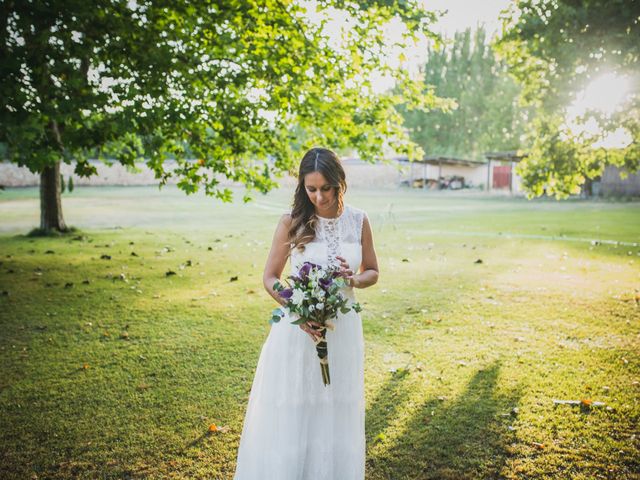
{"type": "Point", "coordinates": [486, 115]}
{"type": "Point", "coordinates": [555, 48]}
{"type": "Point", "coordinates": [218, 86]}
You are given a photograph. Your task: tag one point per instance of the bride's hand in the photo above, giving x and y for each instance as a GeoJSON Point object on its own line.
{"type": "Point", "coordinates": [308, 327]}
{"type": "Point", "coordinates": [346, 271]}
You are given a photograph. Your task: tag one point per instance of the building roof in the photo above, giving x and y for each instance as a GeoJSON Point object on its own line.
{"type": "Point", "coordinates": [440, 160]}
{"type": "Point", "coordinates": [507, 156]}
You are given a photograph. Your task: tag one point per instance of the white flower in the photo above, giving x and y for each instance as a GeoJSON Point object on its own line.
{"type": "Point", "coordinates": [319, 306]}
{"type": "Point", "coordinates": [319, 293]}
{"type": "Point", "coordinates": [312, 307]}
{"type": "Point", "coordinates": [297, 297]}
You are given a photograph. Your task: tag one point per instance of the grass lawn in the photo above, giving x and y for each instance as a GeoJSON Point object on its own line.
{"type": "Point", "coordinates": [112, 369]}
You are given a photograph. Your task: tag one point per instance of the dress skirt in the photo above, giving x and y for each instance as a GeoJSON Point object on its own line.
{"type": "Point", "coordinates": [295, 427]}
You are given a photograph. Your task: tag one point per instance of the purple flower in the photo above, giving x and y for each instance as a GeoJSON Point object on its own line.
{"type": "Point", "coordinates": [325, 282]}
{"type": "Point", "coordinates": [286, 293]}
{"type": "Point", "coordinates": [304, 271]}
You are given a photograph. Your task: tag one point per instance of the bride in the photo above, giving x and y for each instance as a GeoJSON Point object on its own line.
{"type": "Point", "coordinates": [295, 427]}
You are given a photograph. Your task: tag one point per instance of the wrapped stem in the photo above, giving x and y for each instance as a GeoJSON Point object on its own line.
{"type": "Point", "coordinates": [323, 354]}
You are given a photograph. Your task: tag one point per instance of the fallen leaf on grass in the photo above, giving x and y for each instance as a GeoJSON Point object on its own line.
{"type": "Point", "coordinates": [104, 256]}
{"type": "Point", "coordinates": [85, 366]}
{"type": "Point", "coordinates": [215, 428]}
{"type": "Point", "coordinates": [539, 445]}
{"type": "Point", "coordinates": [169, 273]}
{"type": "Point", "coordinates": [234, 279]}
{"type": "Point", "coordinates": [478, 261]}
{"type": "Point", "coordinates": [585, 402]}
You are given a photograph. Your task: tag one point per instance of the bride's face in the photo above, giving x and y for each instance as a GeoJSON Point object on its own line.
{"type": "Point", "coordinates": [321, 193]}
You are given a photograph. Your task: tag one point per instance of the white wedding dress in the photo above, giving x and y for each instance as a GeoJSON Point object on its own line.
{"type": "Point", "coordinates": [295, 427]}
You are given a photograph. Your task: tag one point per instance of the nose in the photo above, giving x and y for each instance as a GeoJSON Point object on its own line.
{"type": "Point", "coordinates": [318, 196]}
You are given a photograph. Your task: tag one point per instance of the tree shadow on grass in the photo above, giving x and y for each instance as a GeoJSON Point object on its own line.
{"type": "Point", "coordinates": [466, 438]}
{"type": "Point", "coordinates": [385, 404]}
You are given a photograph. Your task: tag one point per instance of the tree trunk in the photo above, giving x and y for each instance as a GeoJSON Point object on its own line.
{"type": "Point", "coordinates": [588, 187]}
{"type": "Point", "coordinates": [50, 204]}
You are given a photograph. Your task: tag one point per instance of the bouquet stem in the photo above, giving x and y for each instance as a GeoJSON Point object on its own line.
{"type": "Point", "coordinates": [321, 348]}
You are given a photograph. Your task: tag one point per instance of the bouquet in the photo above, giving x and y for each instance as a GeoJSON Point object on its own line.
{"type": "Point", "coordinates": [314, 294]}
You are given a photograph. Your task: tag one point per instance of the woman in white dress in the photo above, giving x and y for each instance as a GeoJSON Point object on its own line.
{"type": "Point", "coordinates": [297, 428]}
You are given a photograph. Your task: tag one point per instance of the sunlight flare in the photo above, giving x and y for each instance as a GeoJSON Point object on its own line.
{"type": "Point", "coordinates": [605, 95]}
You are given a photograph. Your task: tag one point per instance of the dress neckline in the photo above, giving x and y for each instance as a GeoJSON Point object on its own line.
{"type": "Point", "coordinates": [332, 219]}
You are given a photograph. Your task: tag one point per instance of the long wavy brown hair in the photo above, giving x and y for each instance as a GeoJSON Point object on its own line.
{"type": "Point", "coordinates": [303, 213]}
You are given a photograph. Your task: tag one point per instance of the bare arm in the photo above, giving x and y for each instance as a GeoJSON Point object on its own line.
{"type": "Point", "coordinates": [277, 258]}
{"type": "Point", "coordinates": [276, 261]}
{"type": "Point", "coordinates": [369, 268]}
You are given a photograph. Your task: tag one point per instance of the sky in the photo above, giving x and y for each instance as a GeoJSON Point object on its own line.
{"type": "Point", "coordinates": [462, 14]}
{"type": "Point", "coordinates": [457, 16]}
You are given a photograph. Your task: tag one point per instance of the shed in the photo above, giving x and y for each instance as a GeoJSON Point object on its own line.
{"type": "Point", "coordinates": [440, 172]}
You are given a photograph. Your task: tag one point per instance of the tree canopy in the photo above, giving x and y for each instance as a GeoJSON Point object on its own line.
{"type": "Point", "coordinates": [483, 113]}
{"type": "Point", "coordinates": [555, 49]}
{"type": "Point", "coordinates": [226, 83]}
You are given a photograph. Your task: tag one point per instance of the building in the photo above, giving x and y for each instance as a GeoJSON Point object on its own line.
{"type": "Point", "coordinates": [439, 172]}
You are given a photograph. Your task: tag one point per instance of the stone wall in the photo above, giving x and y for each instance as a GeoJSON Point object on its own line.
{"type": "Point", "coordinates": [359, 174]}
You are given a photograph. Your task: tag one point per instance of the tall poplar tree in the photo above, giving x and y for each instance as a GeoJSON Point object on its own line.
{"type": "Point", "coordinates": [485, 116]}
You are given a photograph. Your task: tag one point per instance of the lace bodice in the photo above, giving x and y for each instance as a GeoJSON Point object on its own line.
{"type": "Point", "coordinates": [334, 236]}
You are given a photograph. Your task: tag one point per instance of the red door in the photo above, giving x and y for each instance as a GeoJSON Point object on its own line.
{"type": "Point", "coordinates": [501, 176]}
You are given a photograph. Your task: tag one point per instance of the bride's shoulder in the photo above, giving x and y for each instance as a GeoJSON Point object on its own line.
{"type": "Point", "coordinates": [286, 218]}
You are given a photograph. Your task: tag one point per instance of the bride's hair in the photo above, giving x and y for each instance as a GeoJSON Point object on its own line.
{"type": "Point", "coordinates": [303, 214]}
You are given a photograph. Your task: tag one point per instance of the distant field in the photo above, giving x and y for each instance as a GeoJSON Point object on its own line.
{"type": "Point", "coordinates": [487, 309]}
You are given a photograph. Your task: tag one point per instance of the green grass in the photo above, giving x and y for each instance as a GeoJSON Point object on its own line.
{"type": "Point", "coordinates": [452, 346]}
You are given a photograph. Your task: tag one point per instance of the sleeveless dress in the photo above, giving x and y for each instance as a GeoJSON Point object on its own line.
{"type": "Point", "coordinates": [295, 427]}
